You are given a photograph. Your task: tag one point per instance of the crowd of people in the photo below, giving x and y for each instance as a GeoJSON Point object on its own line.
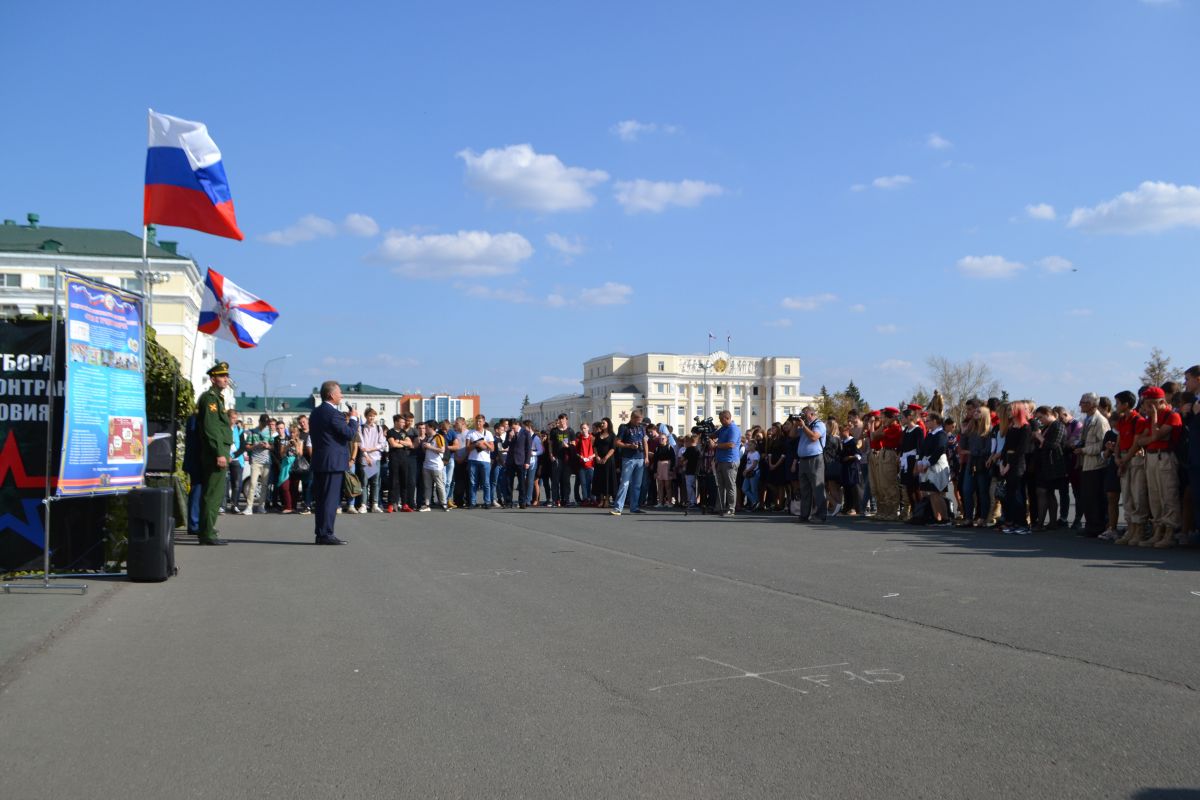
{"type": "Point", "coordinates": [1017, 467]}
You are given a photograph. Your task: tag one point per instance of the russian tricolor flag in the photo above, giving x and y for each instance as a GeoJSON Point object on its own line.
{"type": "Point", "coordinates": [185, 180]}
{"type": "Point", "coordinates": [229, 311]}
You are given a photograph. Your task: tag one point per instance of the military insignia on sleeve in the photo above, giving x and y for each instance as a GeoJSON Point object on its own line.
{"type": "Point", "coordinates": [212, 406]}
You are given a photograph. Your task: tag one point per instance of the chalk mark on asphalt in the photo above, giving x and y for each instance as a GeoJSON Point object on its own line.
{"type": "Point", "coordinates": [846, 607]}
{"type": "Point", "coordinates": [748, 674]}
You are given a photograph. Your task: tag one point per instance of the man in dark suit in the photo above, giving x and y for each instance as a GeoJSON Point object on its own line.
{"type": "Point", "coordinates": [519, 452]}
{"type": "Point", "coordinates": [330, 433]}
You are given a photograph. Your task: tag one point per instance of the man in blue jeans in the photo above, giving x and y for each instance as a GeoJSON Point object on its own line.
{"type": "Point", "coordinates": [480, 444]}
{"type": "Point", "coordinates": [634, 458]}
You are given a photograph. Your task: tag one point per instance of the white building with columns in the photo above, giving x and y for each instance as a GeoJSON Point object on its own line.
{"type": "Point", "coordinates": [674, 389]}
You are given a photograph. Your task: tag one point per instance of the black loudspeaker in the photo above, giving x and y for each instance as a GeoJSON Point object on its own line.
{"type": "Point", "coordinates": [151, 555]}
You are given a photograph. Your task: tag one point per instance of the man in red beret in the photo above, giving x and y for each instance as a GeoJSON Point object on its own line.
{"type": "Point", "coordinates": [1162, 469]}
{"type": "Point", "coordinates": [885, 474]}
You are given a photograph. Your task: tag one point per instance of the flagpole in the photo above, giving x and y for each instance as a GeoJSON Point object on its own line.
{"type": "Point", "coordinates": [146, 279]}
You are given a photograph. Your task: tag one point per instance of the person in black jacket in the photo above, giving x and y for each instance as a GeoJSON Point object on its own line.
{"type": "Point", "coordinates": [1012, 468]}
{"type": "Point", "coordinates": [933, 468]}
{"type": "Point", "coordinates": [1051, 467]}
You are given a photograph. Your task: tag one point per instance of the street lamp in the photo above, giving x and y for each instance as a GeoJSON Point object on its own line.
{"type": "Point", "coordinates": [266, 399]}
{"type": "Point", "coordinates": [149, 278]}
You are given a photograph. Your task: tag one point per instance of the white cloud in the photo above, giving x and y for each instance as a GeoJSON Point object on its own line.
{"type": "Point", "coordinates": [1153, 207]}
{"type": "Point", "coordinates": [453, 255]}
{"type": "Point", "coordinates": [778, 323]}
{"type": "Point", "coordinates": [556, 300]}
{"type": "Point", "coordinates": [526, 179]}
{"type": "Point", "coordinates": [808, 303]}
{"type": "Point", "coordinates": [555, 380]}
{"type": "Point", "coordinates": [887, 330]}
{"type": "Point", "coordinates": [628, 130]}
{"type": "Point", "coordinates": [1056, 264]}
{"type": "Point", "coordinates": [896, 364]}
{"type": "Point", "coordinates": [655, 196]}
{"type": "Point", "coordinates": [936, 142]}
{"type": "Point", "coordinates": [305, 229]}
{"type": "Point", "coordinates": [610, 294]}
{"type": "Point", "coordinates": [891, 181]}
{"type": "Point", "coordinates": [858, 308]}
{"type": "Point", "coordinates": [569, 246]}
{"type": "Point", "coordinates": [1043, 211]}
{"type": "Point", "coordinates": [988, 267]}
{"type": "Point", "coordinates": [360, 225]}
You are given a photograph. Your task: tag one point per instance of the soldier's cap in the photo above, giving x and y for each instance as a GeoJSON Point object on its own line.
{"type": "Point", "coordinates": [1154, 393]}
{"type": "Point", "coordinates": [219, 369]}
{"type": "Point", "coordinates": [915, 407]}
{"type": "Point", "coordinates": [873, 414]}
{"type": "Point", "coordinates": [891, 410]}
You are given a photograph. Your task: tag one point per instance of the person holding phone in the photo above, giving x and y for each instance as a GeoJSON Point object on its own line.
{"type": "Point", "coordinates": [331, 434]}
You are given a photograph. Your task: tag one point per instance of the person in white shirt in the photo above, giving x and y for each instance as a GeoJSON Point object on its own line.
{"type": "Point", "coordinates": [433, 471]}
{"type": "Point", "coordinates": [480, 444]}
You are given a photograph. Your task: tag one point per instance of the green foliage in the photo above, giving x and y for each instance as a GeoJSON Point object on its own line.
{"type": "Point", "coordinates": [1159, 370]}
{"type": "Point", "coordinates": [162, 372]}
{"type": "Point", "coordinates": [854, 397]}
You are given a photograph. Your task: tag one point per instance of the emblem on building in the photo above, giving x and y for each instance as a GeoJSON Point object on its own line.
{"type": "Point", "coordinates": [720, 365]}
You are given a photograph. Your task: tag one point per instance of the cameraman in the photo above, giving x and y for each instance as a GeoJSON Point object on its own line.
{"type": "Point", "coordinates": [810, 465]}
{"type": "Point", "coordinates": [729, 437]}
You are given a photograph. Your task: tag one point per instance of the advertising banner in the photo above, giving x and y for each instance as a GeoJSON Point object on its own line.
{"type": "Point", "coordinates": [104, 427]}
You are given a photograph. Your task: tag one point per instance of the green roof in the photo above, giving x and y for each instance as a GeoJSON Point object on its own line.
{"type": "Point", "coordinates": [78, 242]}
{"type": "Point", "coordinates": [254, 404]}
{"type": "Point", "coordinates": [365, 388]}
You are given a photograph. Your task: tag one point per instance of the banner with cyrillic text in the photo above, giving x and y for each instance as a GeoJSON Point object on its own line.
{"type": "Point", "coordinates": [104, 427]}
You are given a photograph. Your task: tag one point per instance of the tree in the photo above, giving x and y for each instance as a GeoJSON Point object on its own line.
{"type": "Point", "coordinates": [854, 396]}
{"type": "Point", "coordinates": [959, 381]}
{"type": "Point", "coordinates": [918, 395]}
{"type": "Point", "coordinates": [825, 404]}
{"type": "Point", "coordinates": [1159, 370]}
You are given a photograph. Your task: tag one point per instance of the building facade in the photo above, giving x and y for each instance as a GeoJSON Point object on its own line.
{"type": "Point", "coordinates": [675, 389]}
{"type": "Point", "coordinates": [29, 253]}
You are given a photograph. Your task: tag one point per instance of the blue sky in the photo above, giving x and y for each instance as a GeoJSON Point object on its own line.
{"type": "Point", "coordinates": [443, 197]}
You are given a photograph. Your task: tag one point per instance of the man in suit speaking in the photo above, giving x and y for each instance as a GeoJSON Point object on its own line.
{"type": "Point", "coordinates": [330, 433]}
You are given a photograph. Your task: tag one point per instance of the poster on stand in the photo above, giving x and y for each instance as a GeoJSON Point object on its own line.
{"type": "Point", "coordinates": [104, 427]}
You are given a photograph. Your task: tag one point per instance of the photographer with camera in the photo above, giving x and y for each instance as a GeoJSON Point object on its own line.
{"type": "Point", "coordinates": [729, 438]}
{"type": "Point", "coordinates": [810, 465]}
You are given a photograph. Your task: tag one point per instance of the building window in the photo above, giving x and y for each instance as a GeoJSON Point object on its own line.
{"type": "Point", "coordinates": [45, 311]}
{"type": "Point", "coordinates": [10, 280]}
{"type": "Point", "coordinates": [661, 388]}
{"type": "Point", "coordinates": [753, 411]}
{"type": "Point", "coordinates": [662, 366]}
{"type": "Point", "coordinates": [131, 284]}
{"type": "Point", "coordinates": [737, 411]}
{"type": "Point", "coordinates": [700, 389]}
{"type": "Point", "coordinates": [719, 388]}
{"type": "Point", "coordinates": [9, 311]}
{"type": "Point", "coordinates": [787, 390]}
{"type": "Point", "coordinates": [681, 411]}
{"type": "Point", "coordinates": [787, 369]}
{"type": "Point", "coordinates": [737, 390]}
{"type": "Point", "coordinates": [755, 391]}
{"type": "Point", "coordinates": [662, 411]}
{"type": "Point", "coordinates": [45, 281]}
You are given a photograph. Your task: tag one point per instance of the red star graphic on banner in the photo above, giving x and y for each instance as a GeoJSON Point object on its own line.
{"type": "Point", "coordinates": [10, 461]}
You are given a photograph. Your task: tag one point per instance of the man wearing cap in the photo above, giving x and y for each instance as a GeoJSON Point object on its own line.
{"type": "Point", "coordinates": [1090, 453]}
{"type": "Point", "coordinates": [886, 471]}
{"type": "Point", "coordinates": [910, 446]}
{"type": "Point", "coordinates": [1162, 468]}
{"type": "Point", "coordinates": [216, 438]}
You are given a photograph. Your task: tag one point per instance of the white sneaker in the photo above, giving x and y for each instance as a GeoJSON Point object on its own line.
{"type": "Point", "coordinates": [360, 510]}
{"type": "Point", "coordinates": [423, 508]}
{"type": "Point", "coordinates": [376, 510]}
{"type": "Point", "coordinates": [247, 511]}
{"type": "Point", "coordinates": [339, 510]}
{"type": "Point", "coordinates": [1109, 535]}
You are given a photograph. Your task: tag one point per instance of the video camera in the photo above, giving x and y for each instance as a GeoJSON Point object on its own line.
{"type": "Point", "coordinates": [704, 427]}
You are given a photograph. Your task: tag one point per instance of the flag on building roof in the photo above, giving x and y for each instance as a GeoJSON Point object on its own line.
{"type": "Point", "coordinates": [229, 311]}
{"type": "Point", "coordinates": [185, 179]}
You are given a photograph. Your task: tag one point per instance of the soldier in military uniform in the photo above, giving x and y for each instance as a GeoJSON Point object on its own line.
{"type": "Point", "coordinates": [216, 438]}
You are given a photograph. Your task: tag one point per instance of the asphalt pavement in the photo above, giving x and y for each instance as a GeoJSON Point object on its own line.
{"type": "Point", "coordinates": [567, 653]}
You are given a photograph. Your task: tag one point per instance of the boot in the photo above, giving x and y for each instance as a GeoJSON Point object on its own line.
{"type": "Point", "coordinates": [1132, 535]}
{"type": "Point", "coordinates": [1136, 534]}
{"type": "Point", "coordinates": [1153, 538]}
{"type": "Point", "coordinates": [1167, 539]}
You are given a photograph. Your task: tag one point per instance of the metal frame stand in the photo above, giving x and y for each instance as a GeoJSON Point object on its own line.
{"type": "Point", "coordinates": [49, 498]}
